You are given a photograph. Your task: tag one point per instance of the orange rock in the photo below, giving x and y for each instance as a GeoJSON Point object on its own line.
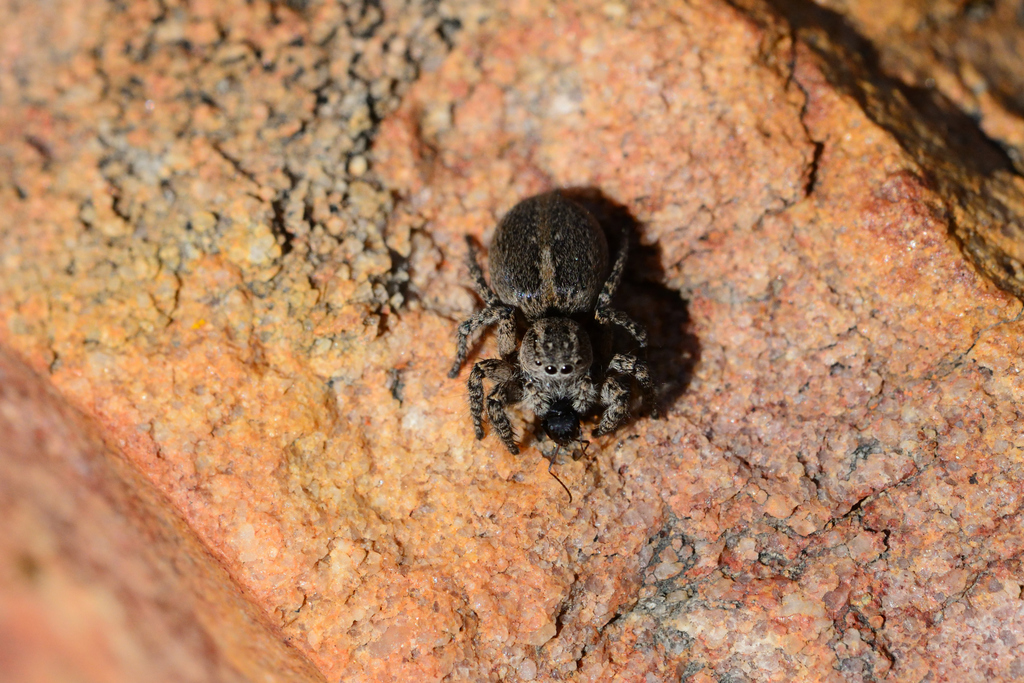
{"type": "Point", "coordinates": [205, 255]}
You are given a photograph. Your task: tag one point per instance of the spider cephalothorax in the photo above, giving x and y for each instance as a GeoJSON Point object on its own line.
{"type": "Point", "coordinates": [555, 358]}
{"type": "Point", "coordinates": [549, 262]}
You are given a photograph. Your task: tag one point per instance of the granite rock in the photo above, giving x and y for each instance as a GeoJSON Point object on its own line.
{"type": "Point", "coordinates": [971, 52]}
{"type": "Point", "coordinates": [234, 241]}
{"type": "Point", "coordinates": [101, 579]}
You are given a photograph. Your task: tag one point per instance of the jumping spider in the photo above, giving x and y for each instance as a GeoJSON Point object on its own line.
{"type": "Point", "coordinates": [548, 261]}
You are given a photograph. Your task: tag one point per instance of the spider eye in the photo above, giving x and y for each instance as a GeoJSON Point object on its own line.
{"type": "Point", "coordinates": [551, 369]}
{"type": "Point", "coordinates": [537, 362]}
{"type": "Point", "coordinates": [566, 369]}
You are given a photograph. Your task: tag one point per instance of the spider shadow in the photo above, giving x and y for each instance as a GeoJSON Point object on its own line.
{"type": "Point", "coordinates": [673, 350]}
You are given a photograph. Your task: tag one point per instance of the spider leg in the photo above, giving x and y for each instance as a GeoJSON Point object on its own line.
{"type": "Point", "coordinates": [494, 312]}
{"type": "Point", "coordinates": [628, 364]}
{"type": "Point", "coordinates": [604, 300]}
{"type": "Point", "coordinates": [612, 316]}
{"type": "Point", "coordinates": [501, 396]}
{"type": "Point", "coordinates": [475, 272]}
{"type": "Point", "coordinates": [603, 311]}
{"type": "Point", "coordinates": [615, 396]}
{"type": "Point", "coordinates": [501, 314]}
{"type": "Point", "coordinates": [507, 391]}
{"type": "Point", "coordinates": [616, 393]}
{"type": "Point", "coordinates": [506, 332]}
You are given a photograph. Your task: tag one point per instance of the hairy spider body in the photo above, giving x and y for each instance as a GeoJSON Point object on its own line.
{"type": "Point", "coordinates": [549, 263]}
{"type": "Point", "coordinates": [547, 255]}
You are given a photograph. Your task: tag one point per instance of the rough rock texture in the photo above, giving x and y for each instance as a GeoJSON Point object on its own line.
{"type": "Point", "coordinates": [205, 254]}
{"type": "Point", "coordinates": [923, 45]}
{"type": "Point", "coordinates": [972, 52]}
{"type": "Point", "coordinates": [101, 579]}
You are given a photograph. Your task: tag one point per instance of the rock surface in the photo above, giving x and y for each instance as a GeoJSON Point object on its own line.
{"type": "Point", "coordinates": [232, 237]}
{"type": "Point", "coordinates": [972, 52]}
{"type": "Point", "coordinates": [101, 579]}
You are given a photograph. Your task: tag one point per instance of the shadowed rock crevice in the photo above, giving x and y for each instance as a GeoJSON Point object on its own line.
{"type": "Point", "coordinates": [855, 67]}
{"type": "Point", "coordinates": [975, 175]}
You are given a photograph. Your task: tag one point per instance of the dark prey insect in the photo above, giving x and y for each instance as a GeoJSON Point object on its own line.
{"type": "Point", "coordinates": [549, 263]}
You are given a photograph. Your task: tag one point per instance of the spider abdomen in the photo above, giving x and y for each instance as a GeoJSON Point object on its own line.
{"type": "Point", "coordinates": [549, 256]}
